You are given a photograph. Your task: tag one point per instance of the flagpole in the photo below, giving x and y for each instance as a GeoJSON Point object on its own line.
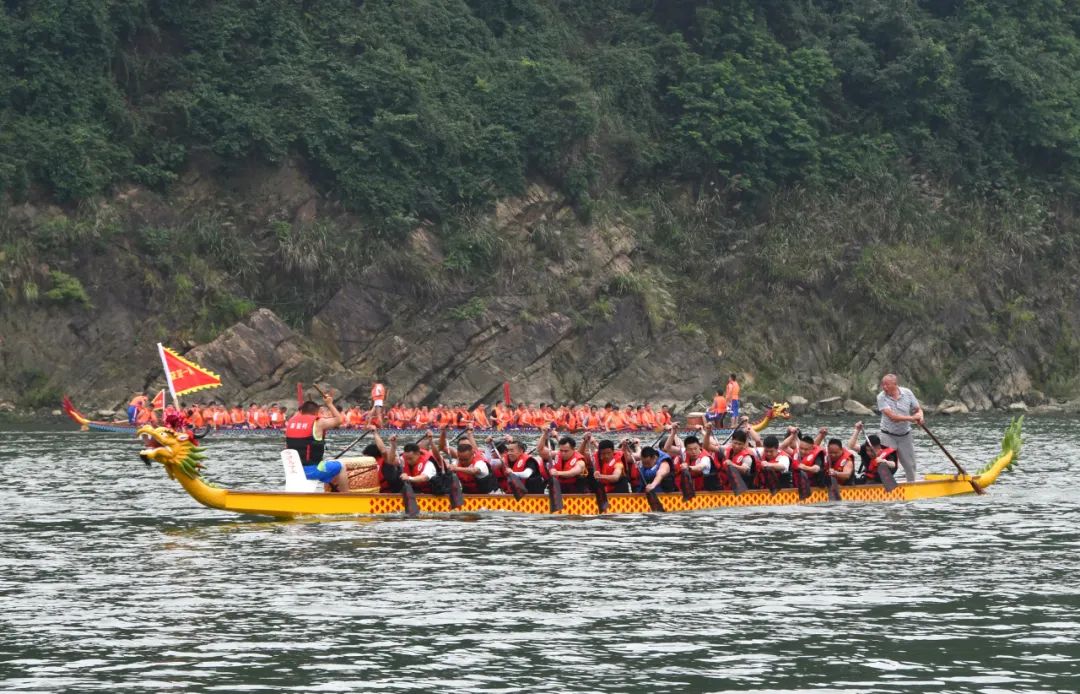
{"type": "Point", "coordinates": [168, 375]}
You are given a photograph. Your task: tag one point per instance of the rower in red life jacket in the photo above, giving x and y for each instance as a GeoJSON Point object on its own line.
{"type": "Point", "coordinates": [469, 464]}
{"type": "Point", "coordinates": [386, 461]}
{"type": "Point", "coordinates": [516, 461]}
{"type": "Point", "coordinates": [739, 458]}
{"type": "Point", "coordinates": [421, 466]}
{"type": "Point", "coordinates": [691, 455]}
{"type": "Point", "coordinates": [871, 456]}
{"type": "Point", "coordinates": [840, 462]}
{"type": "Point", "coordinates": [810, 460]}
{"type": "Point", "coordinates": [774, 466]}
{"type": "Point", "coordinates": [305, 433]}
{"type": "Point", "coordinates": [566, 463]}
{"type": "Point", "coordinates": [609, 464]}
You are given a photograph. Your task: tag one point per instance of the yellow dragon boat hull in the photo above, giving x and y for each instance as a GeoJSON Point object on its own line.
{"type": "Point", "coordinates": [293, 504]}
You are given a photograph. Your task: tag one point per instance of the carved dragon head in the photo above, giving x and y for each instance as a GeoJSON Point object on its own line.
{"type": "Point", "coordinates": [173, 450]}
{"type": "Point", "coordinates": [780, 409]}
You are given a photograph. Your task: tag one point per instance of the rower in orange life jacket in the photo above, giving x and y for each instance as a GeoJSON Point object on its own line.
{"type": "Point", "coordinates": [480, 418]}
{"type": "Point", "coordinates": [610, 466]}
{"type": "Point", "coordinates": [470, 465]}
{"type": "Point", "coordinates": [718, 409]}
{"type": "Point", "coordinates": [277, 417]}
{"type": "Point", "coordinates": [695, 457]}
{"type": "Point", "coordinates": [237, 416]}
{"type": "Point", "coordinates": [221, 417]}
{"type": "Point", "coordinates": [566, 463]}
{"type": "Point", "coordinates": [138, 402]}
{"type": "Point", "coordinates": [252, 416]}
{"type": "Point", "coordinates": [663, 417]}
{"type": "Point", "coordinates": [305, 433]}
{"type": "Point", "coordinates": [840, 462]}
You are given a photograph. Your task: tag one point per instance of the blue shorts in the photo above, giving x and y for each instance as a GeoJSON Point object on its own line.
{"type": "Point", "coordinates": [733, 407]}
{"type": "Point", "coordinates": [131, 412]}
{"type": "Point", "coordinates": [325, 471]}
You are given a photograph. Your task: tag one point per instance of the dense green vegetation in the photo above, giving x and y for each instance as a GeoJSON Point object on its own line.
{"type": "Point", "coordinates": [415, 109]}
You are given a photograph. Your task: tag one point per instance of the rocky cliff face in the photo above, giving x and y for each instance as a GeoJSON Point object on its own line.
{"type": "Point", "coordinates": [574, 311]}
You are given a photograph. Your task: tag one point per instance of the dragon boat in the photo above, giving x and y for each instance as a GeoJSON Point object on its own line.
{"type": "Point", "coordinates": [778, 410]}
{"type": "Point", "coordinates": [183, 460]}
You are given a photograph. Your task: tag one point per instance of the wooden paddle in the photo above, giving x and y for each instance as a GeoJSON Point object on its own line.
{"type": "Point", "coordinates": [597, 486]}
{"type": "Point", "coordinates": [738, 484]}
{"type": "Point", "coordinates": [686, 482]}
{"type": "Point", "coordinates": [408, 495]}
{"type": "Point", "coordinates": [883, 472]}
{"type": "Point", "coordinates": [833, 485]}
{"type": "Point", "coordinates": [348, 448]}
{"type": "Point", "coordinates": [971, 480]}
{"type": "Point", "coordinates": [554, 491]}
{"type": "Point", "coordinates": [650, 494]}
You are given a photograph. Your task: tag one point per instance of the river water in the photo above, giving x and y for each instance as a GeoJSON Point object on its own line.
{"type": "Point", "coordinates": [113, 579]}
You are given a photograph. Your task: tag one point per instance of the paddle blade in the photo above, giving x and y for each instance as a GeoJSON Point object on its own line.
{"type": "Point", "coordinates": [802, 483]}
{"type": "Point", "coordinates": [885, 475]}
{"type": "Point", "coordinates": [601, 497]}
{"type": "Point", "coordinates": [686, 481]}
{"type": "Point", "coordinates": [975, 485]}
{"type": "Point", "coordinates": [517, 488]}
{"type": "Point", "coordinates": [597, 488]}
{"type": "Point", "coordinates": [655, 504]}
{"type": "Point", "coordinates": [408, 495]}
{"type": "Point", "coordinates": [738, 484]}
{"type": "Point", "coordinates": [834, 490]}
{"type": "Point", "coordinates": [457, 497]}
{"type": "Point", "coordinates": [554, 495]}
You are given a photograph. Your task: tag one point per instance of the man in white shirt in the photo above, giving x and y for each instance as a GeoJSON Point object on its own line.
{"type": "Point", "coordinates": [899, 408]}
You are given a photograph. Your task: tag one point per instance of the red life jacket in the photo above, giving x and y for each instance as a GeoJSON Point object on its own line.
{"type": "Point", "coordinates": [696, 476]}
{"type": "Point", "coordinates": [768, 479]}
{"type": "Point", "coordinates": [838, 466]}
{"type": "Point", "coordinates": [871, 468]}
{"type": "Point", "coordinates": [564, 465]}
{"type": "Point", "coordinates": [384, 484]}
{"type": "Point", "coordinates": [811, 459]}
{"type": "Point", "coordinates": [608, 468]}
{"type": "Point", "coordinates": [740, 457]}
{"type": "Point", "coordinates": [534, 483]}
{"type": "Point", "coordinates": [468, 482]}
{"type": "Point", "coordinates": [417, 468]}
{"type": "Point", "coordinates": [300, 437]}
{"type": "Point", "coordinates": [571, 485]}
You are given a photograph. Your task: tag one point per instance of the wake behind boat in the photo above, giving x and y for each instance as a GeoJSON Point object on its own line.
{"type": "Point", "coordinates": [183, 460]}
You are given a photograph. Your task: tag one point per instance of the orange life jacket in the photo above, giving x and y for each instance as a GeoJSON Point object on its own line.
{"type": "Point", "coordinates": [480, 418]}
{"type": "Point", "coordinates": [237, 416]}
{"type": "Point", "coordinates": [378, 392]}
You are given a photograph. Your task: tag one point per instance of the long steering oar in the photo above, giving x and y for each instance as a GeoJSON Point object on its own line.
{"type": "Point", "coordinates": [974, 484]}
{"type": "Point", "coordinates": [884, 473]}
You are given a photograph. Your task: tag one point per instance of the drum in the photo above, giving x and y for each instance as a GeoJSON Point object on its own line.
{"type": "Point", "coordinates": [694, 419]}
{"type": "Point", "coordinates": [363, 474]}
